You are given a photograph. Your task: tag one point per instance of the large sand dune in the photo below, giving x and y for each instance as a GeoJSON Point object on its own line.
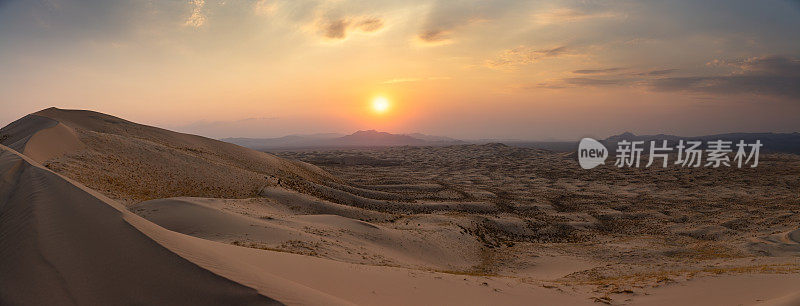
{"type": "Point", "coordinates": [262, 224]}
{"type": "Point", "coordinates": [132, 162]}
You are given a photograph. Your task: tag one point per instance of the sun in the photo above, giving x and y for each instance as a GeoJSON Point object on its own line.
{"type": "Point", "coordinates": [380, 105]}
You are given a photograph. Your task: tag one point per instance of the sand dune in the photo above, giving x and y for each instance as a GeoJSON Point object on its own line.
{"type": "Point", "coordinates": [52, 142]}
{"type": "Point", "coordinates": [132, 162]}
{"type": "Point", "coordinates": [428, 245]}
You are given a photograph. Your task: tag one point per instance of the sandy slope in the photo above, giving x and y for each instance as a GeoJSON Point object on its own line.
{"type": "Point", "coordinates": [52, 142]}
{"type": "Point", "coordinates": [429, 245]}
{"type": "Point", "coordinates": [133, 162]}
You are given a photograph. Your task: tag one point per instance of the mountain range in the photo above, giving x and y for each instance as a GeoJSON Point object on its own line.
{"type": "Point", "coordinates": [367, 138]}
{"type": "Point", "coordinates": [772, 142]}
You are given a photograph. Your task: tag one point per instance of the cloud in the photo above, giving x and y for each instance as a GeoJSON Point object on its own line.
{"type": "Point", "coordinates": [595, 82]}
{"type": "Point", "coordinates": [197, 17]}
{"type": "Point", "coordinates": [336, 29]}
{"type": "Point", "coordinates": [772, 65]}
{"type": "Point", "coordinates": [265, 7]}
{"type": "Point", "coordinates": [652, 73]}
{"type": "Point", "coordinates": [759, 85]}
{"type": "Point", "coordinates": [339, 28]}
{"type": "Point", "coordinates": [445, 17]}
{"type": "Point", "coordinates": [598, 71]}
{"type": "Point", "coordinates": [554, 52]}
{"type": "Point", "coordinates": [370, 25]}
{"type": "Point", "coordinates": [605, 77]}
{"type": "Point", "coordinates": [565, 15]}
{"type": "Point", "coordinates": [435, 36]}
{"type": "Point", "coordinates": [657, 72]}
{"type": "Point", "coordinates": [524, 55]}
{"type": "Point", "coordinates": [771, 75]}
{"type": "Point", "coordinates": [768, 75]}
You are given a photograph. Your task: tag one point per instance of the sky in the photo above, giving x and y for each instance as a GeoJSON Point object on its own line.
{"type": "Point", "coordinates": [531, 70]}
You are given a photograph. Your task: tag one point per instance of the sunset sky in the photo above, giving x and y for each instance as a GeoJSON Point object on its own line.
{"type": "Point", "coordinates": [533, 70]}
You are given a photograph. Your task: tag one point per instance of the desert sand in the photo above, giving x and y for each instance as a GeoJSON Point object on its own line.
{"type": "Point", "coordinates": [99, 210]}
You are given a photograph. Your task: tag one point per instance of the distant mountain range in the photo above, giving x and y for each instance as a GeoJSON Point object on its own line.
{"type": "Point", "coordinates": [368, 138]}
{"type": "Point", "coordinates": [773, 142]}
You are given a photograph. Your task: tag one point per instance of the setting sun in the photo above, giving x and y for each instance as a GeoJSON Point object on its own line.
{"type": "Point", "coordinates": [380, 105]}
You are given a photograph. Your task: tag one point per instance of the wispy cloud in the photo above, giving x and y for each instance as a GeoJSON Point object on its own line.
{"type": "Point", "coordinates": [197, 18]}
{"type": "Point", "coordinates": [565, 15]}
{"type": "Point", "coordinates": [446, 17]}
{"type": "Point", "coordinates": [370, 24]}
{"type": "Point", "coordinates": [605, 77]}
{"type": "Point", "coordinates": [770, 75]}
{"type": "Point", "coordinates": [435, 36]}
{"type": "Point", "coordinates": [335, 29]}
{"type": "Point", "coordinates": [767, 75]}
{"type": "Point", "coordinates": [658, 72]}
{"type": "Point", "coordinates": [598, 71]}
{"type": "Point", "coordinates": [595, 82]}
{"type": "Point", "coordinates": [524, 55]}
{"type": "Point", "coordinates": [339, 28]}
{"type": "Point", "coordinates": [265, 7]}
